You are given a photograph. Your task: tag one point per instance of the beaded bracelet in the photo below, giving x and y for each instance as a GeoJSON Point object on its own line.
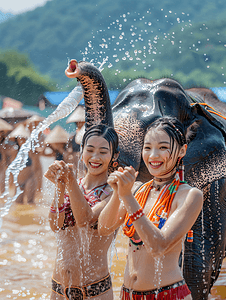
{"type": "Point", "coordinates": [60, 209]}
{"type": "Point", "coordinates": [135, 216]}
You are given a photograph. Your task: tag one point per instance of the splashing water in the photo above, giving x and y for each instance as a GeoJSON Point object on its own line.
{"type": "Point", "coordinates": [133, 40]}
{"type": "Point", "coordinates": [148, 46]}
{"type": "Point", "coordinates": [137, 46]}
{"type": "Point", "coordinates": [19, 163]}
{"type": "Point", "coordinates": [112, 250]}
{"type": "Point", "coordinates": [158, 272]}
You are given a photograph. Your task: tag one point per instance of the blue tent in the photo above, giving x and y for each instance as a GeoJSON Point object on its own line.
{"type": "Point", "coordinates": [56, 98]}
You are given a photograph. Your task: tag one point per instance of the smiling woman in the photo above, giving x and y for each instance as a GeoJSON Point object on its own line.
{"type": "Point", "coordinates": [157, 218]}
{"type": "Point", "coordinates": [96, 154]}
{"type": "Point", "coordinates": [74, 215]}
{"type": "Point", "coordinates": [163, 150]}
{"type": "Point", "coordinates": [105, 147]}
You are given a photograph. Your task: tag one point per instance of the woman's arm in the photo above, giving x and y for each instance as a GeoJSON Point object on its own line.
{"type": "Point", "coordinates": [157, 241]}
{"type": "Point", "coordinates": [112, 216]}
{"type": "Point", "coordinates": [82, 212]}
{"type": "Point", "coordinates": [81, 209]}
{"type": "Point", "coordinates": [59, 171]}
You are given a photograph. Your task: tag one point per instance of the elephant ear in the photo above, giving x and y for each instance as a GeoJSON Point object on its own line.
{"type": "Point", "coordinates": [217, 121]}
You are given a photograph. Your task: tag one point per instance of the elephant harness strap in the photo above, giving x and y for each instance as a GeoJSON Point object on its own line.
{"type": "Point", "coordinates": [210, 109]}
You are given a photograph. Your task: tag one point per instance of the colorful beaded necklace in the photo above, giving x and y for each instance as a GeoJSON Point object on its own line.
{"type": "Point", "coordinates": [161, 209]}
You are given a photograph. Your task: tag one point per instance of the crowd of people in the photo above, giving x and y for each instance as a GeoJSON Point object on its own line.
{"type": "Point", "coordinates": [87, 212]}
{"type": "Point", "coordinates": [56, 143]}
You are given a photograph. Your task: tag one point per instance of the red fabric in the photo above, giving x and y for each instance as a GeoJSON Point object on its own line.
{"type": "Point", "coordinates": [178, 293]}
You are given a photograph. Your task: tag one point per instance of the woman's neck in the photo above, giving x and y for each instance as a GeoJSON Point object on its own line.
{"type": "Point", "coordinates": [90, 181]}
{"type": "Point", "coordinates": [159, 182]}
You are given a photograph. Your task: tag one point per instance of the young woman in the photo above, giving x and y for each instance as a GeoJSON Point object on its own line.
{"type": "Point", "coordinates": [157, 218]}
{"type": "Point", "coordinates": [81, 268]}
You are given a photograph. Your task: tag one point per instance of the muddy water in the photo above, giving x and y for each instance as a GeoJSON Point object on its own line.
{"type": "Point", "coordinates": [28, 249]}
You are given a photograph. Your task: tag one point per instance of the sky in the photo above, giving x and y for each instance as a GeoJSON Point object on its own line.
{"type": "Point", "coordinates": [20, 6]}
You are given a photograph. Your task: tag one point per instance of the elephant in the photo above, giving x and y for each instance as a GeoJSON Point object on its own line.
{"type": "Point", "coordinates": [135, 108]}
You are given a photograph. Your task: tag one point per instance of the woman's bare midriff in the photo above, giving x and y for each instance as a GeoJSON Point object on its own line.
{"type": "Point", "coordinates": [140, 277]}
{"type": "Point", "coordinates": [82, 256]}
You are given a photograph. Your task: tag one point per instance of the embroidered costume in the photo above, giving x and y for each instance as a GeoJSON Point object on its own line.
{"type": "Point", "coordinates": [178, 290]}
{"type": "Point", "coordinates": [92, 198]}
{"type": "Point", "coordinates": [81, 292]}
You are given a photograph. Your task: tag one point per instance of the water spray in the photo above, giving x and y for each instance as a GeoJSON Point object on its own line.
{"type": "Point", "coordinates": [19, 163]}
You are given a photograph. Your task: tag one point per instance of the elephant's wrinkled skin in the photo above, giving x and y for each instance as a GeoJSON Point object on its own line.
{"type": "Point", "coordinates": [137, 106]}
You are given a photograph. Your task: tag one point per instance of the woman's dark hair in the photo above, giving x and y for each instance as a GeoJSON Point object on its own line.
{"type": "Point", "coordinates": [108, 133]}
{"type": "Point", "coordinates": [173, 127]}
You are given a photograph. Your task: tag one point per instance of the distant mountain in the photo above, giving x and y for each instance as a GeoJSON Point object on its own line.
{"type": "Point", "coordinates": [95, 29]}
{"type": "Point", "coordinates": [4, 17]}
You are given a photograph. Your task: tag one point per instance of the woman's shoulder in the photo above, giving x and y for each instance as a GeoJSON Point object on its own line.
{"type": "Point", "coordinates": [190, 193]}
{"type": "Point", "coordinates": [185, 187]}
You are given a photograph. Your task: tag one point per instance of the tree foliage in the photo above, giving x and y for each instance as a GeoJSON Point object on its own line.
{"type": "Point", "coordinates": [19, 79]}
{"type": "Point", "coordinates": [138, 38]}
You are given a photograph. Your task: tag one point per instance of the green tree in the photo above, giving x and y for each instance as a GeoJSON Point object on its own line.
{"type": "Point", "coordinates": [20, 80]}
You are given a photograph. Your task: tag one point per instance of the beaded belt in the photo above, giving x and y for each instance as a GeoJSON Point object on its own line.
{"type": "Point", "coordinates": [164, 288]}
{"type": "Point", "coordinates": [79, 293]}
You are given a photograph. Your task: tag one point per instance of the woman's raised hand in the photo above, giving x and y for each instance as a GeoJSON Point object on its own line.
{"type": "Point", "coordinates": [113, 180]}
{"type": "Point", "coordinates": [58, 171]}
{"type": "Point", "coordinates": [124, 179]}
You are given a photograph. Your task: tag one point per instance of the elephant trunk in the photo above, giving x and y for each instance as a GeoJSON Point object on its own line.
{"type": "Point", "coordinates": [96, 96]}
